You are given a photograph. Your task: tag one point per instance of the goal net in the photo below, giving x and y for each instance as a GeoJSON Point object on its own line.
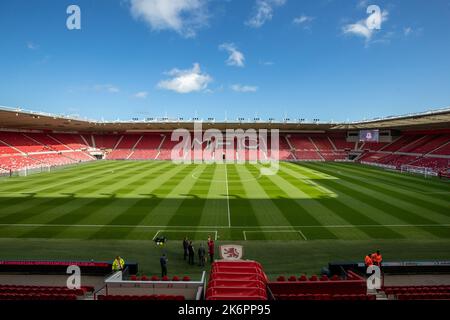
{"type": "Point", "coordinates": [427, 172]}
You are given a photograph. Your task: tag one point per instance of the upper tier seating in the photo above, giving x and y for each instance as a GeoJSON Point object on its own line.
{"type": "Point", "coordinates": [340, 142]}
{"type": "Point", "coordinates": [444, 150]}
{"type": "Point", "coordinates": [73, 141]}
{"type": "Point", "coordinates": [7, 150]}
{"type": "Point", "coordinates": [399, 143]}
{"type": "Point", "coordinates": [43, 139]}
{"type": "Point", "coordinates": [128, 141]}
{"type": "Point", "coordinates": [22, 143]}
{"type": "Point", "coordinates": [322, 143]}
{"type": "Point", "coordinates": [102, 141]}
{"type": "Point", "coordinates": [300, 142]}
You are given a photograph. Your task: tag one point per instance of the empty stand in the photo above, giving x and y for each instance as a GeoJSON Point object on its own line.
{"type": "Point", "coordinates": [19, 292]}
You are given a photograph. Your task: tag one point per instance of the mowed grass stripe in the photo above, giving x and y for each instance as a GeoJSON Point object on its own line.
{"type": "Point", "coordinates": [135, 211]}
{"type": "Point", "coordinates": [289, 198]}
{"type": "Point", "coordinates": [416, 180]}
{"type": "Point", "coordinates": [267, 212]}
{"type": "Point", "coordinates": [190, 210]}
{"type": "Point", "coordinates": [16, 184]}
{"type": "Point", "coordinates": [35, 206]}
{"type": "Point", "coordinates": [215, 208]}
{"type": "Point", "coordinates": [437, 188]}
{"type": "Point", "coordinates": [80, 210]}
{"type": "Point", "coordinates": [354, 206]}
{"type": "Point", "coordinates": [324, 214]}
{"type": "Point", "coordinates": [427, 201]}
{"type": "Point", "coordinates": [27, 198]}
{"type": "Point", "coordinates": [349, 210]}
{"type": "Point", "coordinates": [71, 176]}
{"type": "Point", "coordinates": [173, 193]}
{"type": "Point", "coordinates": [384, 201]}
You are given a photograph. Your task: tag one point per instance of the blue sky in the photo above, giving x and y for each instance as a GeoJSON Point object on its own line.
{"type": "Point", "coordinates": [226, 58]}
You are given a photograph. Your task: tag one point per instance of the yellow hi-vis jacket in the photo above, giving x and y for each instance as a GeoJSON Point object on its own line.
{"type": "Point", "coordinates": [118, 265]}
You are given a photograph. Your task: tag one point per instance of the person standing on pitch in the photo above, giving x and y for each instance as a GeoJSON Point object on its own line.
{"type": "Point", "coordinates": [191, 253]}
{"type": "Point", "coordinates": [202, 255]}
{"type": "Point", "coordinates": [163, 261]}
{"type": "Point", "coordinates": [211, 249]}
{"type": "Point", "coordinates": [185, 248]}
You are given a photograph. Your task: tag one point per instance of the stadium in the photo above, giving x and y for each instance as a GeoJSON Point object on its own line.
{"type": "Point", "coordinates": [176, 151]}
{"type": "Point", "coordinates": [107, 187]}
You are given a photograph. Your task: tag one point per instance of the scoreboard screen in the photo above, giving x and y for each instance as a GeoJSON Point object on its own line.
{"type": "Point", "coordinates": [369, 135]}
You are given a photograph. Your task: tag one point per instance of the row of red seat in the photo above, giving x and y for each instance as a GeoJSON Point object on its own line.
{"type": "Point", "coordinates": [37, 296]}
{"type": "Point", "coordinates": [325, 297]}
{"type": "Point", "coordinates": [140, 298]}
{"type": "Point", "coordinates": [305, 278]}
{"type": "Point", "coordinates": [416, 289]}
{"type": "Point", "coordinates": [424, 296]}
{"type": "Point", "coordinates": [156, 278]}
{"type": "Point", "coordinates": [77, 292]}
{"type": "Point", "coordinates": [351, 284]}
{"type": "Point", "coordinates": [83, 289]}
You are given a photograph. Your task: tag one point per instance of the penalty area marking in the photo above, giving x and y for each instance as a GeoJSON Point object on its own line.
{"type": "Point", "coordinates": [273, 231]}
{"type": "Point", "coordinates": [195, 231]}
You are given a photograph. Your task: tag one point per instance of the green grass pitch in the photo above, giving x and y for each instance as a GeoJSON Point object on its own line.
{"type": "Point", "coordinates": [303, 206]}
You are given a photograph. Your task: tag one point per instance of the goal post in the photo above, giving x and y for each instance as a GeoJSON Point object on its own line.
{"type": "Point", "coordinates": [426, 172]}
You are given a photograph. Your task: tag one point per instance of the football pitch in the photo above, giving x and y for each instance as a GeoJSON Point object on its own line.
{"type": "Point", "coordinates": [230, 202]}
{"type": "Point", "coordinates": [296, 221]}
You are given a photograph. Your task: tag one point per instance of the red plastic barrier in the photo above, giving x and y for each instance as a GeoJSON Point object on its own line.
{"type": "Point", "coordinates": [237, 283]}
{"type": "Point", "coordinates": [237, 276]}
{"type": "Point", "coordinates": [240, 280]}
{"type": "Point", "coordinates": [237, 292]}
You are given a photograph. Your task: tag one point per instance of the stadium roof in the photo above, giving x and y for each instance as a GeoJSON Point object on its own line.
{"type": "Point", "coordinates": [11, 118]}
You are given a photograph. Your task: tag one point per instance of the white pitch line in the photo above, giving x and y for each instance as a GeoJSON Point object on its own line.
{"type": "Point", "coordinates": [228, 197]}
{"type": "Point", "coordinates": [189, 230]}
{"type": "Point", "coordinates": [156, 235]}
{"type": "Point", "coordinates": [302, 234]}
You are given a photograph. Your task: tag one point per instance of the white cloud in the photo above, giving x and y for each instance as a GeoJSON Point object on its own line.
{"type": "Point", "coordinates": [267, 63]}
{"type": "Point", "coordinates": [141, 95]}
{"type": "Point", "coordinates": [407, 31]}
{"type": "Point", "coordinates": [186, 81]}
{"type": "Point", "coordinates": [303, 19]}
{"type": "Point", "coordinates": [363, 4]}
{"type": "Point", "coordinates": [106, 88]}
{"type": "Point", "coordinates": [32, 46]}
{"type": "Point", "coordinates": [243, 89]}
{"type": "Point", "coordinates": [236, 57]}
{"type": "Point", "coordinates": [361, 28]}
{"type": "Point", "coordinates": [263, 12]}
{"type": "Point", "coordinates": [183, 16]}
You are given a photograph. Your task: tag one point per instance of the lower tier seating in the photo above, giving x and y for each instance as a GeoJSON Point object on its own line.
{"type": "Point", "coordinates": [140, 298]}
{"type": "Point", "coordinates": [20, 292]}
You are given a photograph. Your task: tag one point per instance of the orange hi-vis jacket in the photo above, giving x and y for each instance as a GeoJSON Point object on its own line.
{"type": "Point", "coordinates": [377, 258]}
{"type": "Point", "coordinates": [368, 261]}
